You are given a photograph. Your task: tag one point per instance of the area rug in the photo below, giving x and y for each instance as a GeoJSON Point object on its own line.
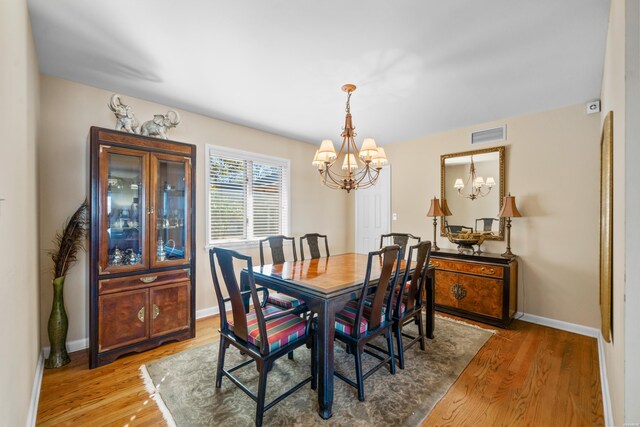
{"type": "Point", "coordinates": [183, 384]}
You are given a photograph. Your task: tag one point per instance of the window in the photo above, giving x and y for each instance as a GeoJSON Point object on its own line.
{"type": "Point", "coordinates": [248, 196]}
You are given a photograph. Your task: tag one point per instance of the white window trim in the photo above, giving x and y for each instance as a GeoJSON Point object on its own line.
{"type": "Point", "coordinates": [233, 152]}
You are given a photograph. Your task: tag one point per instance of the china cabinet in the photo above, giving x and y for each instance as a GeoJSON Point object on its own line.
{"type": "Point", "coordinates": [142, 290]}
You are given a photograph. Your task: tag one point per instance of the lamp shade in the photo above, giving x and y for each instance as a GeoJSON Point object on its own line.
{"type": "Point", "coordinates": [509, 209]}
{"type": "Point", "coordinates": [490, 182]}
{"type": "Point", "coordinates": [352, 162]}
{"type": "Point", "coordinates": [380, 158]}
{"type": "Point", "coordinates": [315, 161]}
{"type": "Point", "coordinates": [459, 184]}
{"type": "Point", "coordinates": [445, 208]}
{"type": "Point", "coordinates": [327, 147]}
{"type": "Point", "coordinates": [434, 209]}
{"type": "Point", "coordinates": [369, 148]}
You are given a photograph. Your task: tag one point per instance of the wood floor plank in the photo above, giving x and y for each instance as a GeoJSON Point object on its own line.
{"type": "Point", "coordinates": [525, 375]}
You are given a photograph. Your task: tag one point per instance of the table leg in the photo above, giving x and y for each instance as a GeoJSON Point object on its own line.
{"type": "Point", "coordinates": [430, 303]}
{"type": "Point", "coordinates": [326, 333]}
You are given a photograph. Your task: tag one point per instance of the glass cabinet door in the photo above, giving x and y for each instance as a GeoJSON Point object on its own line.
{"type": "Point", "coordinates": [123, 178]}
{"type": "Point", "coordinates": [171, 216]}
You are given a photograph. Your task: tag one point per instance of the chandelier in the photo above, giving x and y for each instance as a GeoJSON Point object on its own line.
{"type": "Point", "coordinates": [359, 168]}
{"type": "Point", "coordinates": [479, 188]}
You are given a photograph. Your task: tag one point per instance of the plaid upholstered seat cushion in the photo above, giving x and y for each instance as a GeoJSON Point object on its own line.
{"type": "Point", "coordinates": [284, 301]}
{"type": "Point", "coordinates": [347, 316]}
{"type": "Point", "coordinates": [280, 332]}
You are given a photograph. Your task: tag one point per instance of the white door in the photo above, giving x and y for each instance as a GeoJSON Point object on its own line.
{"type": "Point", "coordinates": [373, 213]}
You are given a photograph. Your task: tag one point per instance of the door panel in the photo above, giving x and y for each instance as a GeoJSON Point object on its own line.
{"type": "Point", "coordinates": [478, 295]}
{"type": "Point", "coordinates": [373, 206]}
{"type": "Point", "coordinates": [169, 204]}
{"type": "Point", "coordinates": [123, 202]}
{"type": "Point", "coordinates": [170, 308]}
{"type": "Point", "coordinates": [122, 319]}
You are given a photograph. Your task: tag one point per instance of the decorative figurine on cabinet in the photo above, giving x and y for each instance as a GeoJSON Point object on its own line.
{"type": "Point", "coordinates": [160, 124]}
{"type": "Point", "coordinates": [125, 119]}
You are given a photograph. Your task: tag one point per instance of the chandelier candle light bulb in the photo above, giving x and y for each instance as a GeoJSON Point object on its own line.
{"type": "Point", "coordinates": [479, 188]}
{"type": "Point", "coordinates": [359, 168]}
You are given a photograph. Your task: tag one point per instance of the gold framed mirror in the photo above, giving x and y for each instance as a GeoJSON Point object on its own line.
{"type": "Point", "coordinates": [472, 184]}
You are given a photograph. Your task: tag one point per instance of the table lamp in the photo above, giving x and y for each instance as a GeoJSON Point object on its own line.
{"type": "Point", "coordinates": [435, 211]}
{"type": "Point", "coordinates": [445, 208]}
{"type": "Point", "coordinates": [509, 210]}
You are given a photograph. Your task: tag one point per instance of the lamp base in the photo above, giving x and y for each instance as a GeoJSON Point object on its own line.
{"type": "Point", "coordinates": [508, 254]}
{"type": "Point", "coordinates": [434, 247]}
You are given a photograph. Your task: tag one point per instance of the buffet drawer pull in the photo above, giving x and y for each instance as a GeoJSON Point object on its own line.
{"type": "Point", "coordinates": [156, 311]}
{"type": "Point", "coordinates": [491, 270]}
{"type": "Point", "coordinates": [141, 315]}
{"type": "Point", "coordinates": [436, 263]}
{"type": "Point", "coordinates": [148, 279]}
{"type": "Point", "coordinates": [458, 291]}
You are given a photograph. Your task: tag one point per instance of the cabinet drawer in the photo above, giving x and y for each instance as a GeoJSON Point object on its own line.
{"type": "Point", "coordinates": [473, 294]}
{"type": "Point", "coordinates": [120, 284]}
{"type": "Point", "coordinates": [170, 308]}
{"type": "Point", "coordinates": [121, 319]}
{"type": "Point", "coordinates": [468, 267]}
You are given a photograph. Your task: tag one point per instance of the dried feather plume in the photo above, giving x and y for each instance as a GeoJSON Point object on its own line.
{"type": "Point", "coordinates": [70, 241]}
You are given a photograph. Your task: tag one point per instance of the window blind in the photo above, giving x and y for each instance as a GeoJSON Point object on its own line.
{"type": "Point", "coordinates": [248, 196]}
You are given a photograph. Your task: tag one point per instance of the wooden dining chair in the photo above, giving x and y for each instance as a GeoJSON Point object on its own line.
{"type": "Point", "coordinates": [400, 239]}
{"type": "Point", "coordinates": [487, 223]}
{"type": "Point", "coordinates": [264, 333]}
{"type": "Point", "coordinates": [314, 247]}
{"type": "Point", "coordinates": [276, 246]}
{"type": "Point", "coordinates": [408, 306]}
{"type": "Point", "coordinates": [358, 323]}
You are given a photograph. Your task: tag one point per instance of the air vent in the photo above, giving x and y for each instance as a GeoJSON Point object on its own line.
{"type": "Point", "coordinates": [489, 135]}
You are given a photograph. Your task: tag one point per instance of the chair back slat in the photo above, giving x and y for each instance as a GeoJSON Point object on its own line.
{"type": "Point", "coordinates": [389, 257]}
{"type": "Point", "coordinates": [225, 259]}
{"type": "Point", "coordinates": [400, 239]}
{"type": "Point", "coordinates": [276, 245]}
{"type": "Point", "coordinates": [314, 245]}
{"type": "Point", "coordinates": [418, 277]}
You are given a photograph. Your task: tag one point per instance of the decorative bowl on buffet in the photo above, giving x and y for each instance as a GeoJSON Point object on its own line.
{"type": "Point", "coordinates": [465, 241]}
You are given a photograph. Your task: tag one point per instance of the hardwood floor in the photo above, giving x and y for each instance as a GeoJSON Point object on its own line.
{"type": "Point", "coordinates": [526, 375]}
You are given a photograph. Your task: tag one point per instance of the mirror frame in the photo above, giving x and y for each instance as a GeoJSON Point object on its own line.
{"type": "Point", "coordinates": [500, 150]}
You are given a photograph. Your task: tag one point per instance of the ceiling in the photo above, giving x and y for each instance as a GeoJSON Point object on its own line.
{"type": "Point", "coordinates": [421, 66]}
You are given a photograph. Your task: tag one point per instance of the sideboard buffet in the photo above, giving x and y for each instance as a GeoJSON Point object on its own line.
{"type": "Point", "coordinates": [142, 243]}
{"type": "Point", "coordinates": [481, 287]}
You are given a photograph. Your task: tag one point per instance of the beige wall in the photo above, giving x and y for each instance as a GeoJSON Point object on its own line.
{"type": "Point", "coordinates": [19, 304]}
{"type": "Point", "coordinates": [69, 109]}
{"type": "Point", "coordinates": [551, 166]}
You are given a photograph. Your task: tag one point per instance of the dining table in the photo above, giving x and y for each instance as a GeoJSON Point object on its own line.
{"type": "Point", "coordinates": [326, 285]}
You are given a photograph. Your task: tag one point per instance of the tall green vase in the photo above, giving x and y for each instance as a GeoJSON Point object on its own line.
{"type": "Point", "coordinates": [58, 327]}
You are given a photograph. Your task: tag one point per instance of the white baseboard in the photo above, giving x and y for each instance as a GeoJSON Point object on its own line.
{"type": "Point", "coordinates": [35, 392]}
{"type": "Point", "coordinates": [212, 311]}
{"type": "Point", "coordinates": [604, 382]}
{"type": "Point", "coordinates": [581, 330]}
{"type": "Point", "coordinates": [558, 324]}
{"type": "Point", "coordinates": [76, 345]}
